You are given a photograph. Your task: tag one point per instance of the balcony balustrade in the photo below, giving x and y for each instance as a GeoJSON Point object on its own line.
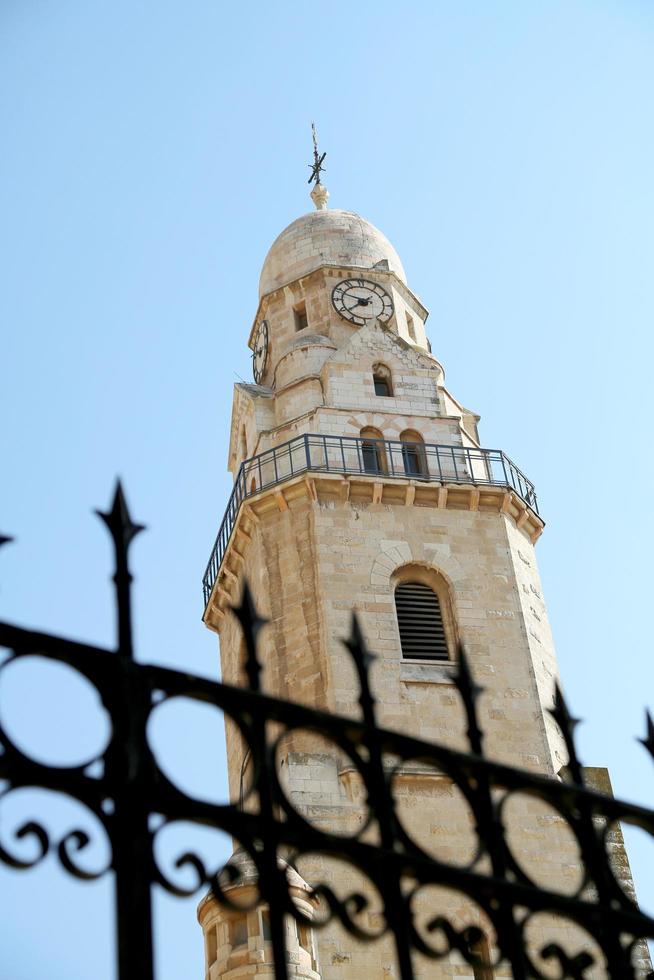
{"type": "Point", "coordinates": [386, 458]}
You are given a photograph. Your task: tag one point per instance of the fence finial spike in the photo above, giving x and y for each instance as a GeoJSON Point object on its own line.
{"type": "Point", "coordinates": [648, 741]}
{"type": "Point", "coordinates": [363, 659]}
{"type": "Point", "coordinates": [251, 623]}
{"type": "Point", "coordinates": [122, 528]}
{"type": "Point", "coordinates": [567, 723]}
{"type": "Point", "coordinates": [469, 691]}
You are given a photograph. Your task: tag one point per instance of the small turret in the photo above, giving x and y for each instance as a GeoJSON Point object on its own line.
{"type": "Point", "coordinates": [237, 943]}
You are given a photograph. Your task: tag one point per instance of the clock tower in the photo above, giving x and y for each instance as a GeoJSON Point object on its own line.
{"type": "Point", "coordinates": [361, 484]}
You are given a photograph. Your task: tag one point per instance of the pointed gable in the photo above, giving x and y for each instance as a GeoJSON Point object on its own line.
{"type": "Point", "coordinates": [348, 373]}
{"type": "Point", "coordinates": [253, 410]}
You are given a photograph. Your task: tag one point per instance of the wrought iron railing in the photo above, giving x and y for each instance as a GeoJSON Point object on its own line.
{"type": "Point", "coordinates": [124, 786]}
{"type": "Point", "coordinates": [428, 462]}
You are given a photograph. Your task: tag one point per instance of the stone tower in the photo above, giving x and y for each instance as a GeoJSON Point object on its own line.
{"type": "Point", "coordinates": [360, 483]}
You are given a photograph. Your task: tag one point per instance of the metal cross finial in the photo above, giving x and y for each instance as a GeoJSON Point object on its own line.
{"type": "Point", "coordinates": [316, 167]}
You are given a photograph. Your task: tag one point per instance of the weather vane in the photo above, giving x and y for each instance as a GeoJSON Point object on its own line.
{"type": "Point", "coordinates": [316, 167]}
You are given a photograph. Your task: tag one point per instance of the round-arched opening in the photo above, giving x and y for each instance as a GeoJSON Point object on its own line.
{"type": "Point", "coordinates": [414, 457]}
{"type": "Point", "coordinates": [373, 451]}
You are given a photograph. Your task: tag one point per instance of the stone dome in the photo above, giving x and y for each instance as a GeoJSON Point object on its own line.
{"type": "Point", "coordinates": [325, 237]}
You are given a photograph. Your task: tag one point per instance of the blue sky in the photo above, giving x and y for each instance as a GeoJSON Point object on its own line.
{"type": "Point", "coordinates": [151, 153]}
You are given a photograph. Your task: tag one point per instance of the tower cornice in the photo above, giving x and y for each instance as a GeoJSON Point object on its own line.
{"type": "Point", "coordinates": [458, 477]}
{"type": "Point", "coordinates": [335, 488]}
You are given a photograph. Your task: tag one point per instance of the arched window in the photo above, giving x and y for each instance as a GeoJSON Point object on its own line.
{"type": "Point", "coordinates": [381, 376]}
{"type": "Point", "coordinates": [413, 453]}
{"type": "Point", "coordinates": [373, 454]}
{"type": "Point", "coordinates": [424, 614]}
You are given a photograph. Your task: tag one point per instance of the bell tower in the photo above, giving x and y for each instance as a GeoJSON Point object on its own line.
{"type": "Point", "coordinates": [360, 484]}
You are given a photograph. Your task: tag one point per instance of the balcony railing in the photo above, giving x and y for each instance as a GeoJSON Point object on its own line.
{"type": "Point", "coordinates": [369, 457]}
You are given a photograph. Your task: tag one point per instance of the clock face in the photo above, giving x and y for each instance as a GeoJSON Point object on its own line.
{"type": "Point", "coordinates": [260, 351]}
{"type": "Point", "coordinates": [360, 300]}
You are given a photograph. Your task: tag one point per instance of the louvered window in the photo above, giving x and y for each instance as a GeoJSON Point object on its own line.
{"type": "Point", "coordinates": [420, 619]}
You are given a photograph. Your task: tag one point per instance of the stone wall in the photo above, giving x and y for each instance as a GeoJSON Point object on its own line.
{"type": "Point", "coordinates": [314, 561]}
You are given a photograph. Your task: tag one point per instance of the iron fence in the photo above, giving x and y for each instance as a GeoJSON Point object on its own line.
{"type": "Point", "coordinates": [124, 786]}
{"type": "Point", "coordinates": [426, 462]}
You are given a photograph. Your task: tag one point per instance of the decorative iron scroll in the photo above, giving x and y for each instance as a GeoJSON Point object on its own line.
{"type": "Point", "coordinates": [131, 787]}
